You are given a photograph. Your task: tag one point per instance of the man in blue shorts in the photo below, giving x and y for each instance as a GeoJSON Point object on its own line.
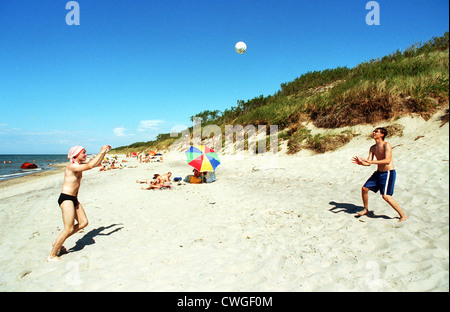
{"type": "Point", "coordinates": [383, 179]}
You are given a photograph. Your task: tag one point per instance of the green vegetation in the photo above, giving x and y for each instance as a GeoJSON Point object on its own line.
{"type": "Point", "coordinates": [413, 81]}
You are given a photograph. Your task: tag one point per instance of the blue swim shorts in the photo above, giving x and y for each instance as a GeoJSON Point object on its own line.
{"type": "Point", "coordinates": [382, 181]}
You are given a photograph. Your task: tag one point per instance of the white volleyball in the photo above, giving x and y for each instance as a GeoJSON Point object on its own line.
{"type": "Point", "coordinates": [240, 47]}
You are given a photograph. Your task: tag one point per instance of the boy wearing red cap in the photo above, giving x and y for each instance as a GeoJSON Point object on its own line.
{"type": "Point", "coordinates": [71, 209]}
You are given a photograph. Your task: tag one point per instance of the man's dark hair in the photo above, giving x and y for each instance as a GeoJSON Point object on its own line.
{"type": "Point", "coordinates": [383, 131]}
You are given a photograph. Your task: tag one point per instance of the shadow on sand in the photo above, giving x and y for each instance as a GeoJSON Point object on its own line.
{"type": "Point", "coordinates": [353, 209]}
{"type": "Point", "coordinates": [88, 238]}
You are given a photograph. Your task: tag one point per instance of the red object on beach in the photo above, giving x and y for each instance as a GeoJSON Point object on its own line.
{"type": "Point", "coordinates": [28, 165]}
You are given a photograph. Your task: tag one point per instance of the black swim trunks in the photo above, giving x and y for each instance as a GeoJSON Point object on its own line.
{"type": "Point", "coordinates": [64, 197]}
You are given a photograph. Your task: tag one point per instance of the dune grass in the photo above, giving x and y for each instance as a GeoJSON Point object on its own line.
{"type": "Point", "coordinates": [413, 81]}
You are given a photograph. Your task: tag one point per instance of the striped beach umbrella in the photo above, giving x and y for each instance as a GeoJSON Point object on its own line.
{"type": "Point", "coordinates": [202, 158]}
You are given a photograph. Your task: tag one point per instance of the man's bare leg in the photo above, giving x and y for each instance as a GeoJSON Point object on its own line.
{"type": "Point", "coordinates": [391, 201]}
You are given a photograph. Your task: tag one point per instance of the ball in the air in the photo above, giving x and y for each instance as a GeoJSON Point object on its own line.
{"type": "Point", "coordinates": [240, 47]}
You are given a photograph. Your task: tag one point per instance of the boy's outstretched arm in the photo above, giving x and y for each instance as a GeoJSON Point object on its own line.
{"type": "Point", "coordinates": [93, 162]}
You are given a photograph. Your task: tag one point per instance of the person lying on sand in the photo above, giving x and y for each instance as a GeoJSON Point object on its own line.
{"type": "Point", "coordinates": [166, 178]}
{"type": "Point", "coordinates": [383, 179]}
{"type": "Point", "coordinates": [71, 208]}
{"type": "Point", "coordinates": [148, 181]}
{"type": "Point", "coordinates": [157, 183]}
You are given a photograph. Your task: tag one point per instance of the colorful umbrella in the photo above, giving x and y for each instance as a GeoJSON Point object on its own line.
{"type": "Point", "coordinates": [202, 158]}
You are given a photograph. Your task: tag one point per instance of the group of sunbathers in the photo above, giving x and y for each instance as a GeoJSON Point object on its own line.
{"type": "Point", "coordinates": [163, 181]}
{"type": "Point", "coordinates": [109, 164]}
{"type": "Point", "coordinates": [158, 182]}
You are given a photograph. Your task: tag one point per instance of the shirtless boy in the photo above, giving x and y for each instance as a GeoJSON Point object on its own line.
{"type": "Point", "coordinates": [383, 179]}
{"type": "Point", "coordinates": [70, 207]}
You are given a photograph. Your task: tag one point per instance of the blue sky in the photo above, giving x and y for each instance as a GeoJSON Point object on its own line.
{"type": "Point", "coordinates": [135, 68]}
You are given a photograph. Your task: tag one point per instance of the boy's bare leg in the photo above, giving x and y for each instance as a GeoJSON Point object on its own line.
{"type": "Point", "coordinates": [391, 201]}
{"type": "Point", "coordinates": [69, 214]}
{"type": "Point", "coordinates": [80, 216]}
{"type": "Point", "coordinates": [365, 199]}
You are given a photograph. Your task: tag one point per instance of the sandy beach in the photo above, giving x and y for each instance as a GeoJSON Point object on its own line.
{"type": "Point", "coordinates": [285, 223]}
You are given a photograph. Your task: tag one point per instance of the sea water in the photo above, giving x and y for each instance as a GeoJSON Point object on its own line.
{"type": "Point", "coordinates": [10, 164]}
